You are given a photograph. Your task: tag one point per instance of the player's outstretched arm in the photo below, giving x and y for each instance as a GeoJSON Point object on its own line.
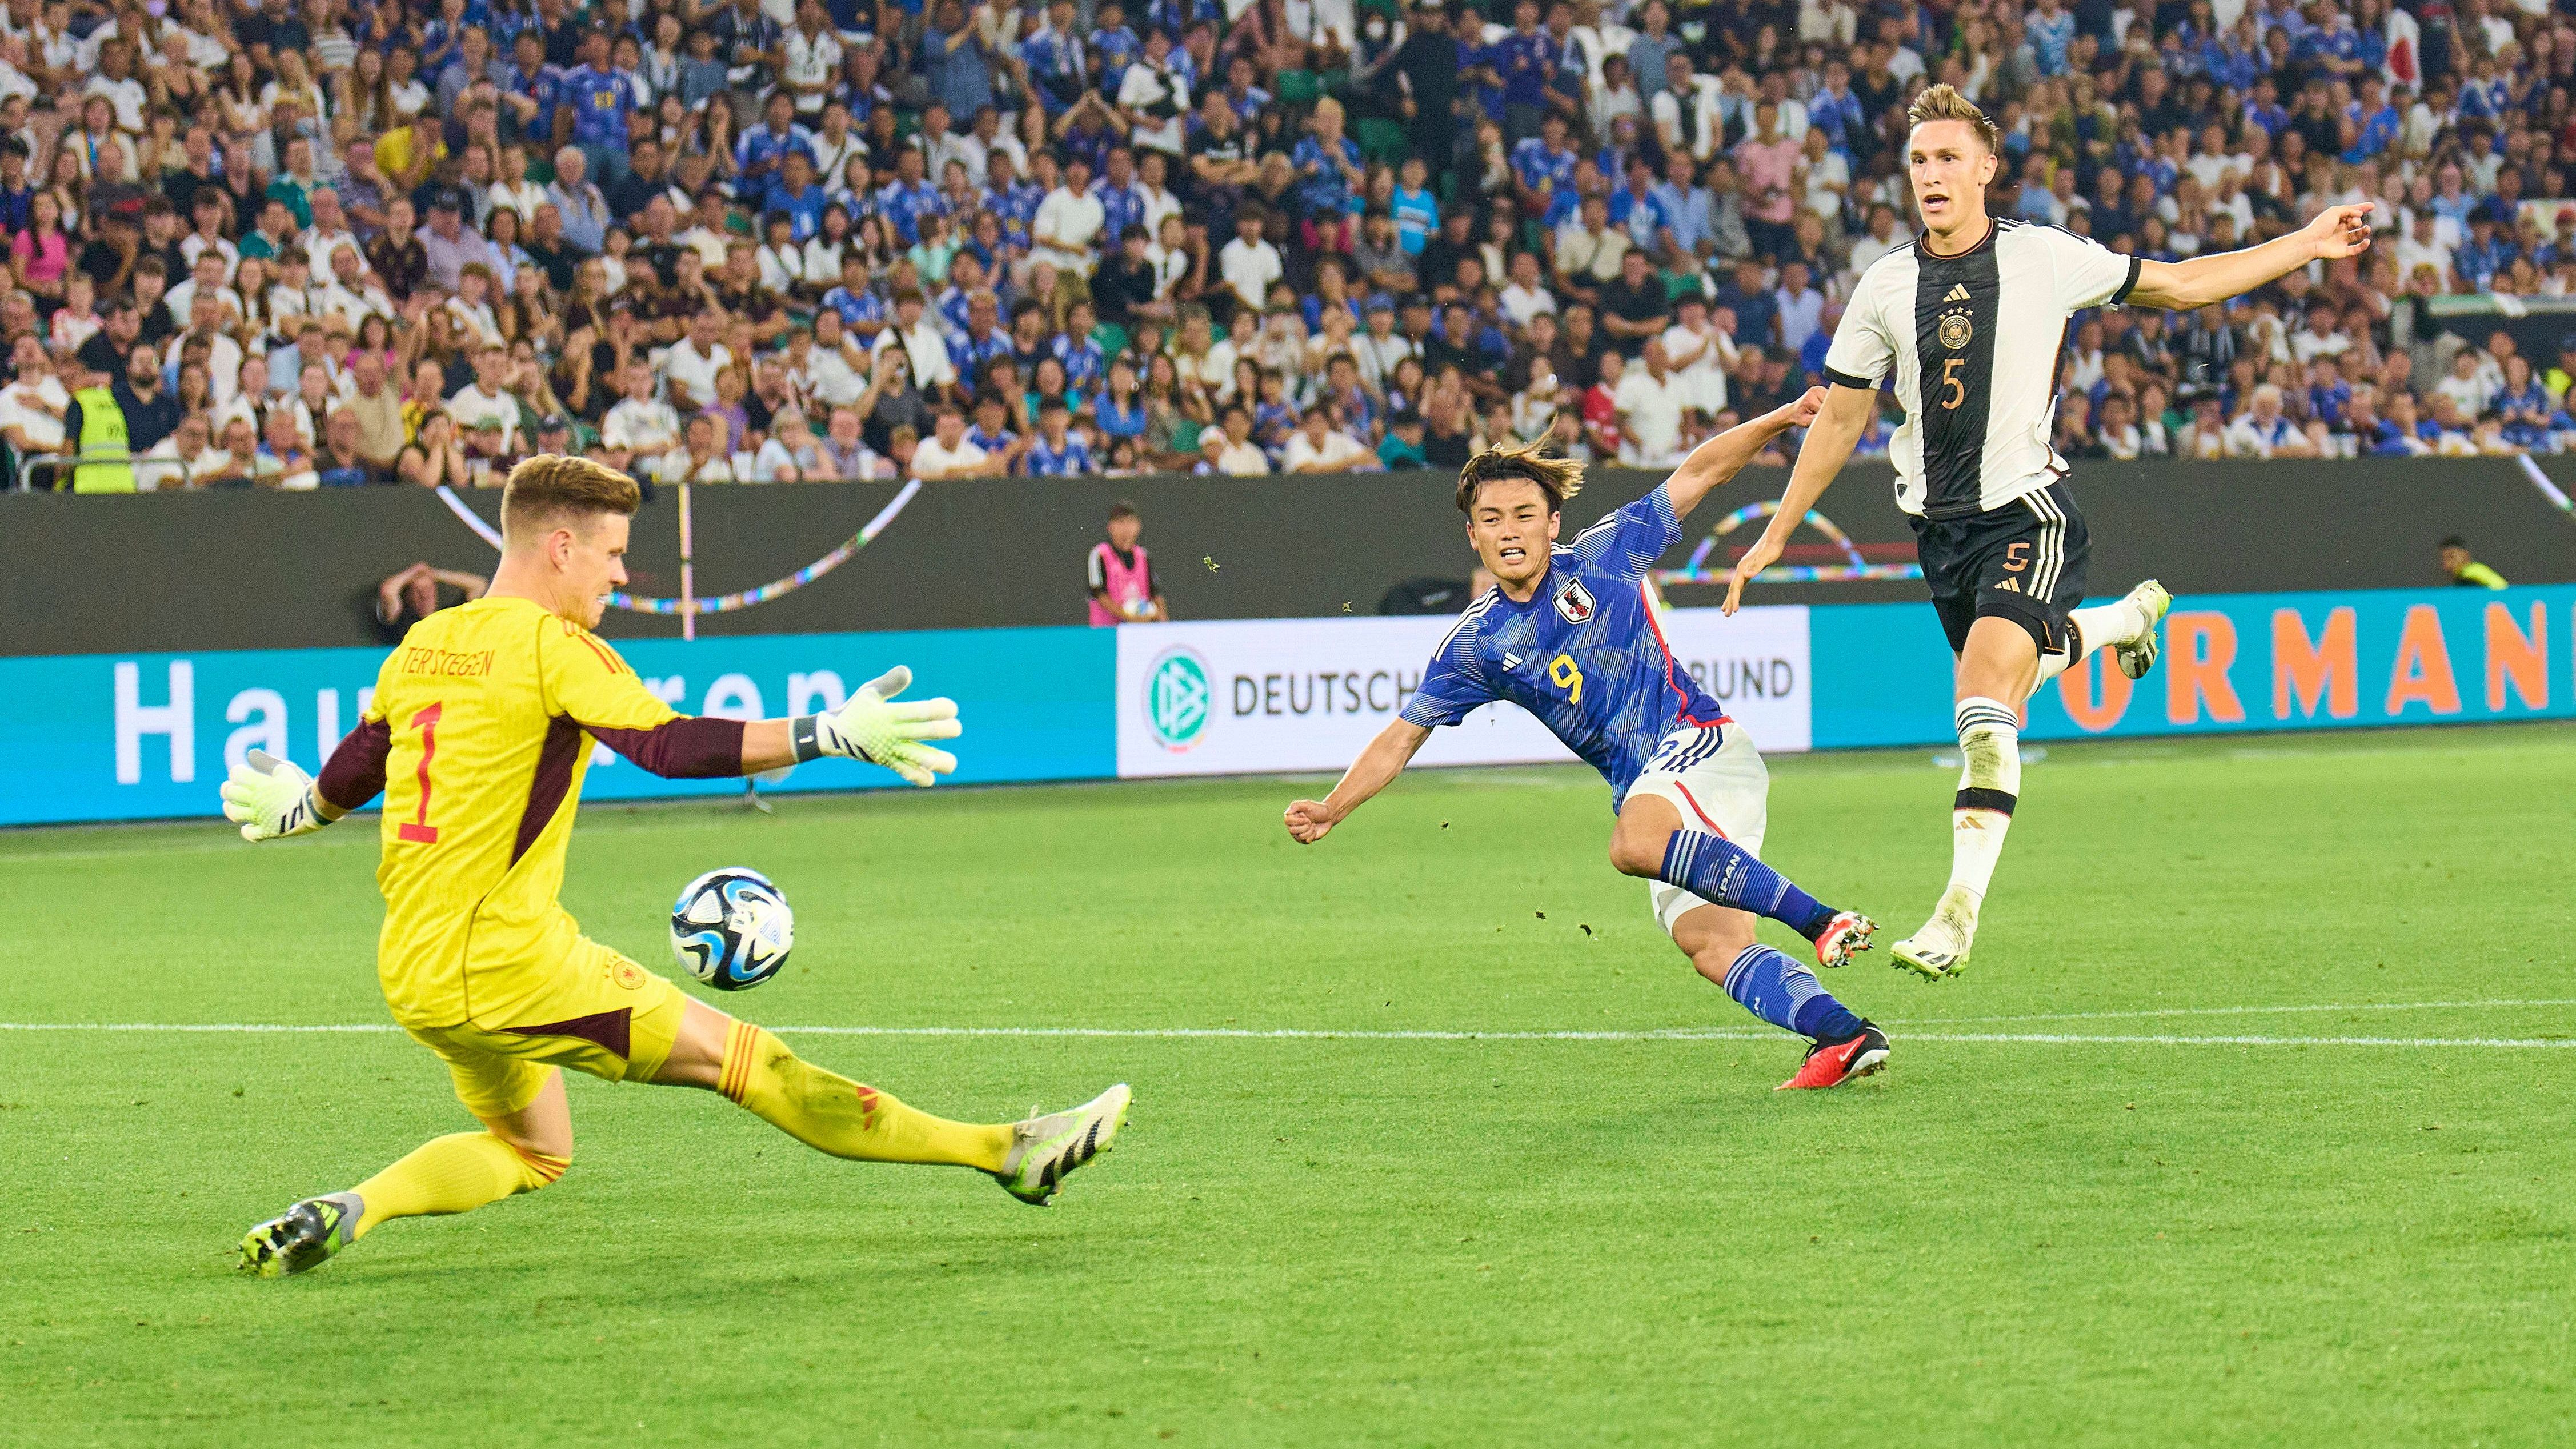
{"type": "Point", "coordinates": [1722, 457]}
{"type": "Point", "coordinates": [2337, 231]}
{"type": "Point", "coordinates": [870, 727]}
{"type": "Point", "coordinates": [1831, 437]}
{"type": "Point", "coordinates": [271, 799]}
{"type": "Point", "coordinates": [1377, 766]}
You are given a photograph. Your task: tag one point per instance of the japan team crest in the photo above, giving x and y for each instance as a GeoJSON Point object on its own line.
{"type": "Point", "coordinates": [1574, 602]}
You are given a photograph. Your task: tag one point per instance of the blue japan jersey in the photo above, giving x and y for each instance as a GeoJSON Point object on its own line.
{"type": "Point", "coordinates": [600, 101]}
{"type": "Point", "coordinates": [1585, 654]}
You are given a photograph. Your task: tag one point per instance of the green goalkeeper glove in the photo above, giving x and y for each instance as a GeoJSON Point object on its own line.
{"type": "Point", "coordinates": [271, 798]}
{"type": "Point", "coordinates": [871, 727]}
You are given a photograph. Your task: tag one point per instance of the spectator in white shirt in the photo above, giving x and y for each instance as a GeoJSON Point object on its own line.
{"type": "Point", "coordinates": [1650, 399]}
{"type": "Point", "coordinates": [693, 362]}
{"type": "Point", "coordinates": [1069, 220]}
{"type": "Point", "coordinates": [32, 408]}
{"type": "Point", "coordinates": [486, 399]}
{"type": "Point", "coordinates": [641, 425]}
{"type": "Point", "coordinates": [948, 454]}
{"type": "Point", "coordinates": [2262, 432]}
{"type": "Point", "coordinates": [1527, 296]}
{"type": "Point", "coordinates": [1250, 264]}
{"type": "Point", "coordinates": [1221, 451]}
{"type": "Point", "coordinates": [1700, 352]}
{"type": "Point", "coordinates": [1319, 447]}
{"type": "Point", "coordinates": [918, 336]}
{"type": "Point", "coordinates": [2467, 385]}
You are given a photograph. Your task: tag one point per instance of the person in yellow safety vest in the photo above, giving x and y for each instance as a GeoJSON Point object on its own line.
{"type": "Point", "coordinates": [2466, 571]}
{"type": "Point", "coordinates": [112, 421]}
{"type": "Point", "coordinates": [95, 426]}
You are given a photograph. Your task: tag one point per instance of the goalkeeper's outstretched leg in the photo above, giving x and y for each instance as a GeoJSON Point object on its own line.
{"type": "Point", "coordinates": [515, 1152]}
{"type": "Point", "coordinates": [526, 1141]}
{"type": "Point", "coordinates": [830, 1113]}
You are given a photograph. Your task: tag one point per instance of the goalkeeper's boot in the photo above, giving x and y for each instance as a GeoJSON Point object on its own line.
{"type": "Point", "coordinates": [1847, 932]}
{"type": "Point", "coordinates": [2136, 655]}
{"type": "Point", "coordinates": [1833, 1063]}
{"type": "Point", "coordinates": [1940, 949]}
{"type": "Point", "coordinates": [1044, 1149]}
{"type": "Point", "coordinates": [303, 1238]}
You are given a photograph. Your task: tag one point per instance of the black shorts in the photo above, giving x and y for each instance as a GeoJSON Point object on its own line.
{"type": "Point", "coordinates": [2023, 562]}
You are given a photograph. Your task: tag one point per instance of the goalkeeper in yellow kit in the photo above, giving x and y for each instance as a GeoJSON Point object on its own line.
{"type": "Point", "coordinates": [477, 736]}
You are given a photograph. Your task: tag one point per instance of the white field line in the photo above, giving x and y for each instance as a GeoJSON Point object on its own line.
{"type": "Point", "coordinates": [1665, 1034]}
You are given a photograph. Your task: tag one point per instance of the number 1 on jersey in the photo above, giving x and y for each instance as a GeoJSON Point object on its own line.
{"type": "Point", "coordinates": [418, 828]}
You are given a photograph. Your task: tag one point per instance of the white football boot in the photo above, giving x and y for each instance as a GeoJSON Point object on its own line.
{"type": "Point", "coordinates": [2137, 654]}
{"type": "Point", "coordinates": [1940, 949]}
{"type": "Point", "coordinates": [1044, 1149]}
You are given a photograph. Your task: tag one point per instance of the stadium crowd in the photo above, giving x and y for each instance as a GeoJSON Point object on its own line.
{"type": "Point", "coordinates": [294, 243]}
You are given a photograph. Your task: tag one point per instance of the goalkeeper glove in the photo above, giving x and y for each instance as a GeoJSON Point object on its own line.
{"type": "Point", "coordinates": [871, 727]}
{"type": "Point", "coordinates": [271, 798]}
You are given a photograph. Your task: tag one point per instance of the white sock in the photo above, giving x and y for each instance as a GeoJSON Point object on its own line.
{"type": "Point", "coordinates": [2110, 623]}
{"type": "Point", "coordinates": [1989, 787]}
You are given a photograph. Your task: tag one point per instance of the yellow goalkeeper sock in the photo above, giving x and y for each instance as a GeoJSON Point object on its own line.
{"type": "Point", "coordinates": [453, 1174]}
{"type": "Point", "coordinates": [831, 1113]}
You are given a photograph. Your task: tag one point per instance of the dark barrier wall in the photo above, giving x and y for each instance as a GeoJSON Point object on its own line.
{"type": "Point", "coordinates": [250, 570]}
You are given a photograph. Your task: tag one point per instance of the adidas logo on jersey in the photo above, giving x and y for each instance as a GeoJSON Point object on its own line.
{"type": "Point", "coordinates": [1958, 292]}
{"type": "Point", "coordinates": [1511, 660]}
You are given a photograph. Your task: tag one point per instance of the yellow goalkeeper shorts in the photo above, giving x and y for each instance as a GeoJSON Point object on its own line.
{"type": "Point", "coordinates": [603, 1015]}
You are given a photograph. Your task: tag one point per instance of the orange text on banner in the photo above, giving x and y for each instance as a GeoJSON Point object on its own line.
{"type": "Point", "coordinates": [2310, 671]}
{"type": "Point", "coordinates": [2201, 647]}
{"type": "Point", "coordinates": [2423, 671]}
{"type": "Point", "coordinates": [2522, 658]}
{"type": "Point", "coordinates": [2095, 693]}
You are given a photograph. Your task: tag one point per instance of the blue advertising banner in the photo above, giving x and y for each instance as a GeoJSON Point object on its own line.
{"type": "Point", "coordinates": [151, 736]}
{"type": "Point", "coordinates": [2231, 663]}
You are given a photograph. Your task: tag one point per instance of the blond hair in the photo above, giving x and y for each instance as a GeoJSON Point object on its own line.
{"type": "Point", "coordinates": [1558, 478]}
{"type": "Point", "coordinates": [551, 488]}
{"type": "Point", "coordinates": [1944, 103]}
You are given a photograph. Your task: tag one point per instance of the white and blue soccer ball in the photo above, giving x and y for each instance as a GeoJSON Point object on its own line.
{"type": "Point", "coordinates": [731, 928]}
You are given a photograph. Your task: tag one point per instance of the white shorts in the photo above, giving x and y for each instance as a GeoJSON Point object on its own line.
{"type": "Point", "coordinates": [1715, 777]}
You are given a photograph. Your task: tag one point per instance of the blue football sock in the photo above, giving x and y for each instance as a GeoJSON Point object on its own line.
{"type": "Point", "coordinates": [1715, 868]}
{"type": "Point", "coordinates": [1787, 995]}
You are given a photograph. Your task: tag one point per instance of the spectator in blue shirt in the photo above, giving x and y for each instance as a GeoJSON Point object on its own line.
{"type": "Point", "coordinates": [1122, 201]}
{"type": "Point", "coordinates": [599, 99]}
{"type": "Point", "coordinates": [1634, 207]}
{"type": "Point", "coordinates": [1417, 211]}
{"type": "Point", "coordinates": [1055, 452]}
{"type": "Point", "coordinates": [908, 198]}
{"type": "Point", "coordinates": [2375, 123]}
{"type": "Point", "coordinates": [954, 59]}
{"type": "Point", "coordinates": [1689, 232]}
{"type": "Point", "coordinates": [1054, 57]}
{"type": "Point", "coordinates": [1523, 63]}
{"type": "Point", "coordinates": [1328, 165]}
{"type": "Point", "coordinates": [757, 154]}
{"type": "Point", "coordinates": [1543, 164]}
{"type": "Point", "coordinates": [1837, 112]}
{"type": "Point", "coordinates": [796, 195]}
{"type": "Point", "coordinates": [2050, 31]}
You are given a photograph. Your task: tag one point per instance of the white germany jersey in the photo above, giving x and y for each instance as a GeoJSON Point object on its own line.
{"type": "Point", "coordinates": [1974, 342]}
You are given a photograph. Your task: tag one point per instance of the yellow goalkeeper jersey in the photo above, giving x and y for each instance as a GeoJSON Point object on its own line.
{"type": "Point", "coordinates": [489, 711]}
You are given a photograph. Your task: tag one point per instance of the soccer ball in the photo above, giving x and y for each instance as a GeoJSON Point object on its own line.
{"type": "Point", "coordinates": [732, 929]}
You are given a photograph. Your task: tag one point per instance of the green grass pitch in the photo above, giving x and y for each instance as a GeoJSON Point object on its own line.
{"type": "Point", "coordinates": [2066, 1214]}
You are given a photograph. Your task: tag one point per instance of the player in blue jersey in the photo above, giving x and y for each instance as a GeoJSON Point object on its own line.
{"type": "Point", "coordinates": [1569, 633]}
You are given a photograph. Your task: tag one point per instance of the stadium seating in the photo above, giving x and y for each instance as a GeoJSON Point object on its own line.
{"type": "Point", "coordinates": [483, 238]}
